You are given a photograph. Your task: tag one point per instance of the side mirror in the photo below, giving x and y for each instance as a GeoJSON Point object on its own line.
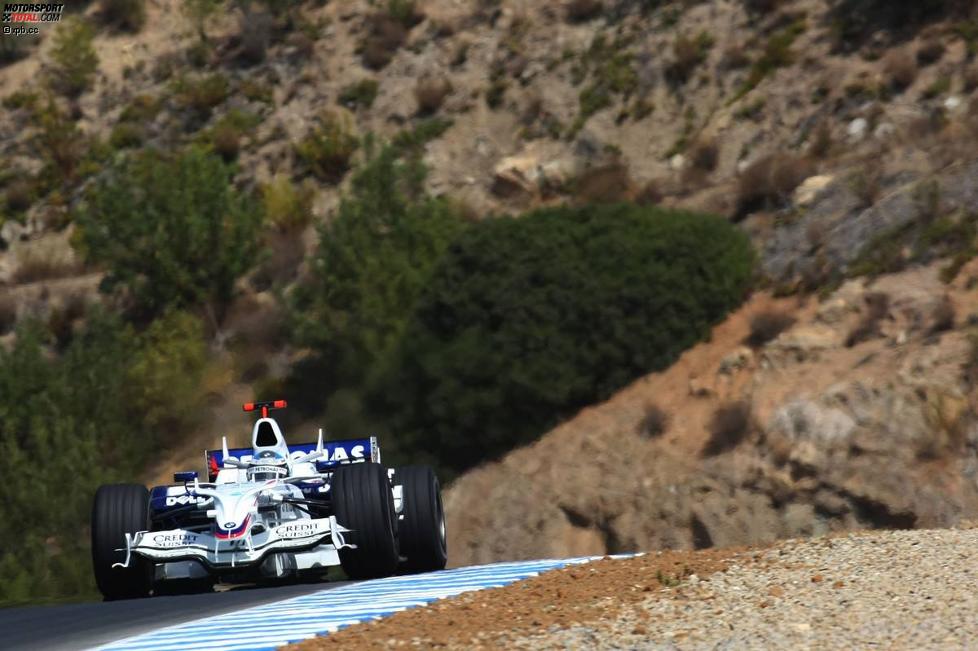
{"type": "Point", "coordinates": [185, 476]}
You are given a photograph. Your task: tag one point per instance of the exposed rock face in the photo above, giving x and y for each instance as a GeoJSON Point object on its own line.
{"type": "Point", "coordinates": [875, 435]}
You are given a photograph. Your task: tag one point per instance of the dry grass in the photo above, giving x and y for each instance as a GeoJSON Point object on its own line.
{"type": "Point", "coordinates": [770, 181]}
{"type": "Point", "coordinates": [255, 36]}
{"type": "Point", "coordinates": [970, 368]}
{"type": "Point", "coordinates": [735, 57]}
{"type": "Point", "coordinates": [729, 427]}
{"type": "Point", "coordinates": [603, 184]}
{"type": "Point", "coordinates": [704, 154]}
{"type": "Point", "coordinates": [687, 54]}
{"type": "Point", "coordinates": [943, 317]}
{"type": "Point", "coordinates": [44, 259]}
{"type": "Point", "coordinates": [877, 308]}
{"type": "Point", "coordinates": [821, 141]}
{"type": "Point", "coordinates": [650, 194]}
{"type": "Point", "coordinates": [766, 326]}
{"type": "Point", "coordinates": [430, 94]}
{"type": "Point", "coordinates": [654, 423]}
{"type": "Point", "coordinates": [579, 11]}
{"type": "Point", "coordinates": [385, 37]}
{"type": "Point", "coordinates": [900, 69]}
{"type": "Point", "coordinates": [866, 182]}
{"type": "Point", "coordinates": [19, 195]}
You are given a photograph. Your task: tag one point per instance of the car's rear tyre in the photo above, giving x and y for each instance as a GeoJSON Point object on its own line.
{"type": "Point", "coordinates": [120, 509]}
{"type": "Point", "coordinates": [363, 502]}
{"type": "Point", "coordinates": [422, 529]}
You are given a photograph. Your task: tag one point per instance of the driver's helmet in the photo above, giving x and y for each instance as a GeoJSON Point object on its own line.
{"type": "Point", "coordinates": [267, 465]}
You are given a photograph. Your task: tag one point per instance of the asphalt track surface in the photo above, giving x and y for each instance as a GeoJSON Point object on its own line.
{"type": "Point", "coordinates": [82, 626]}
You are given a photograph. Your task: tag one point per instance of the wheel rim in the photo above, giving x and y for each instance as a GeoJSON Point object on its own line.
{"type": "Point", "coordinates": [442, 535]}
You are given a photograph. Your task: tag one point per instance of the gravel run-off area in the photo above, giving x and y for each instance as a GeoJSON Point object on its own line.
{"type": "Point", "coordinates": [881, 589]}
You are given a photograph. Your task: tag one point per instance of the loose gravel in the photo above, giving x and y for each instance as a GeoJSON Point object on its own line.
{"type": "Point", "coordinates": [890, 590]}
{"type": "Point", "coordinates": [883, 589]}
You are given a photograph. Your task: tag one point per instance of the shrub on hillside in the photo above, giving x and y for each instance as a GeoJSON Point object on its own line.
{"type": "Point", "coordinates": [654, 422]}
{"type": "Point", "coordinates": [688, 53]}
{"type": "Point", "coordinates": [201, 94]}
{"type": "Point", "coordinates": [287, 206]}
{"type": "Point", "coordinates": [73, 58]}
{"type": "Point", "coordinates": [877, 308]}
{"type": "Point", "coordinates": [766, 326]}
{"type": "Point", "coordinates": [854, 21]}
{"type": "Point", "coordinates": [171, 230]}
{"type": "Point", "coordinates": [62, 147]}
{"type": "Point", "coordinates": [770, 181]}
{"type": "Point", "coordinates": [129, 15]}
{"type": "Point", "coordinates": [528, 319]}
{"type": "Point", "coordinates": [431, 93]}
{"type": "Point", "coordinates": [359, 95]}
{"type": "Point", "coordinates": [900, 69]}
{"type": "Point", "coordinates": [609, 183]}
{"type": "Point", "coordinates": [328, 148]}
{"type": "Point", "coordinates": [387, 31]}
{"type": "Point", "coordinates": [730, 425]}
{"type": "Point", "coordinates": [579, 11]}
{"type": "Point", "coordinates": [107, 404]}
{"type": "Point", "coordinates": [373, 260]}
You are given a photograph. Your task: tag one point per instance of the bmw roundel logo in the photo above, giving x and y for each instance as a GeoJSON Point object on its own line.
{"type": "Point", "coordinates": [229, 525]}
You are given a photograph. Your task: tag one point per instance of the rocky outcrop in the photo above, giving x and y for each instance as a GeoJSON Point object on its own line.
{"type": "Point", "coordinates": [877, 434]}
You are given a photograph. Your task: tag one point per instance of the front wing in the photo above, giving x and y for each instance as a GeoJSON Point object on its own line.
{"type": "Point", "coordinates": [247, 550]}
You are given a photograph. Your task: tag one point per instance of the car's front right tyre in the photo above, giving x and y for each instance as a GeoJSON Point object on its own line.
{"type": "Point", "coordinates": [120, 509]}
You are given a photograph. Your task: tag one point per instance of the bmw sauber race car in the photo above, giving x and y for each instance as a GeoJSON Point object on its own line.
{"type": "Point", "coordinates": [269, 512]}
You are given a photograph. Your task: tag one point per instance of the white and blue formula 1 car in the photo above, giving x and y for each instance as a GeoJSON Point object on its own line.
{"type": "Point", "coordinates": [269, 512]}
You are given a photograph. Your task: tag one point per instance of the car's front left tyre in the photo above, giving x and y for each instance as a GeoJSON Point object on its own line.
{"type": "Point", "coordinates": [120, 509]}
{"type": "Point", "coordinates": [364, 504]}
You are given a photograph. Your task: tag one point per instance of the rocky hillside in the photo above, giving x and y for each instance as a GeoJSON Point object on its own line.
{"type": "Point", "coordinates": [725, 106]}
{"type": "Point", "coordinates": [799, 417]}
{"type": "Point", "coordinates": [839, 134]}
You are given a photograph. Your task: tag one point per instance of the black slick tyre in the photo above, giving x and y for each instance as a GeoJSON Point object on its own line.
{"type": "Point", "coordinates": [422, 529]}
{"type": "Point", "coordinates": [120, 509]}
{"type": "Point", "coordinates": [363, 502]}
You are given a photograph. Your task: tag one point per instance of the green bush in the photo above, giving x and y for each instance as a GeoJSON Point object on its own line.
{"type": "Point", "coordinates": [777, 54]}
{"type": "Point", "coordinates": [142, 108]}
{"type": "Point", "coordinates": [287, 206]}
{"type": "Point", "coordinates": [612, 74]}
{"type": "Point", "coordinates": [328, 148]}
{"type": "Point", "coordinates": [73, 59]}
{"type": "Point", "coordinates": [126, 135]}
{"type": "Point", "coordinates": [854, 21]}
{"type": "Point", "coordinates": [224, 137]}
{"type": "Point", "coordinates": [373, 260]}
{"type": "Point", "coordinates": [164, 374]}
{"type": "Point", "coordinates": [93, 415]}
{"type": "Point", "coordinates": [528, 319]}
{"type": "Point", "coordinates": [63, 148]}
{"type": "Point", "coordinates": [172, 231]}
{"type": "Point", "coordinates": [199, 12]}
{"type": "Point", "coordinates": [359, 95]}
{"type": "Point", "coordinates": [201, 94]}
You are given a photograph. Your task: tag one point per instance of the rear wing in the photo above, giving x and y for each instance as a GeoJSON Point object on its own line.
{"type": "Point", "coordinates": [335, 454]}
